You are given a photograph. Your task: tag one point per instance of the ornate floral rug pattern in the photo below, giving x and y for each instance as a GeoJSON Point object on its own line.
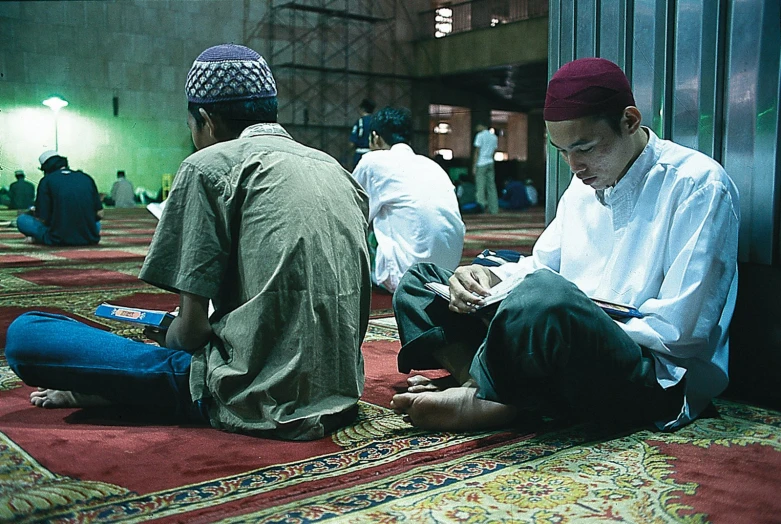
{"type": "Point", "coordinates": [517, 231]}
{"type": "Point", "coordinates": [385, 471]}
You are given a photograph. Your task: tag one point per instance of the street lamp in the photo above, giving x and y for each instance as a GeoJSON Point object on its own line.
{"type": "Point", "coordinates": [55, 103]}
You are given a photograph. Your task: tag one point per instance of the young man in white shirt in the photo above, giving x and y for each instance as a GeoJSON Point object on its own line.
{"type": "Point", "coordinates": [412, 202]}
{"type": "Point", "coordinates": [644, 222]}
{"type": "Point", "coordinates": [485, 145]}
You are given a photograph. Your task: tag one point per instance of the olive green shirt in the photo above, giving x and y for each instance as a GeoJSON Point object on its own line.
{"type": "Point", "coordinates": [274, 233]}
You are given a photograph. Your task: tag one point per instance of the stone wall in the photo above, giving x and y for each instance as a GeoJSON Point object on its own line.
{"type": "Point", "coordinates": [138, 51]}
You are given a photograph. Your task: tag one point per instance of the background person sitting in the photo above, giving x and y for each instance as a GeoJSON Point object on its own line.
{"type": "Point", "coordinates": [67, 207]}
{"type": "Point", "coordinates": [21, 193]}
{"type": "Point", "coordinates": [147, 196]}
{"type": "Point", "coordinates": [465, 192]}
{"type": "Point", "coordinates": [514, 196]}
{"type": "Point", "coordinates": [412, 202]}
{"type": "Point", "coordinates": [122, 192]}
{"type": "Point", "coordinates": [531, 193]}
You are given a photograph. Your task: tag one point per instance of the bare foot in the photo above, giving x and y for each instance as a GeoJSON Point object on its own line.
{"type": "Point", "coordinates": [419, 383]}
{"type": "Point", "coordinates": [54, 398]}
{"type": "Point", "coordinates": [453, 409]}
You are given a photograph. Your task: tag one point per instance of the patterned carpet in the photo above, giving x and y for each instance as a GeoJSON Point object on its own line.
{"type": "Point", "coordinates": [109, 466]}
{"type": "Point", "coordinates": [508, 230]}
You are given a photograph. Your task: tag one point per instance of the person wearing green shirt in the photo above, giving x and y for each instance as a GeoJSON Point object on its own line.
{"type": "Point", "coordinates": [272, 234]}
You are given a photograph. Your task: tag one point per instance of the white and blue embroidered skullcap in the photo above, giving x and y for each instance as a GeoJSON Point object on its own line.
{"type": "Point", "coordinates": [229, 72]}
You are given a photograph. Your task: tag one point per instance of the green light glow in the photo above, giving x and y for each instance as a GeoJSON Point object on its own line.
{"type": "Point", "coordinates": [98, 144]}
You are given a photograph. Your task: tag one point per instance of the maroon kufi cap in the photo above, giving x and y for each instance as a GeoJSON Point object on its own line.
{"type": "Point", "coordinates": [586, 87]}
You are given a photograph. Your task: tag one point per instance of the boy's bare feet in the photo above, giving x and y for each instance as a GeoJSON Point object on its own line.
{"type": "Point", "coordinates": [54, 398]}
{"type": "Point", "coordinates": [453, 409]}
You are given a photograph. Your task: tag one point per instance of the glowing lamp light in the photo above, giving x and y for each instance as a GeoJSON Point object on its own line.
{"type": "Point", "coordinates": [55, 103]}
{"type": "Point", "coordinates": [447, 154]}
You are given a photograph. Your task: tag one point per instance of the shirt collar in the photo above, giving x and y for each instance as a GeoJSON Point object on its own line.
{"type": "Point", "coordinates": [264, 129]}
{"type": "Point", "coordinates": [636, 172]}
{"type": "Point", "coordinates": [402, 148]}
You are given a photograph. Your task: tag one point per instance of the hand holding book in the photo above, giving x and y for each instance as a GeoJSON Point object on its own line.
{"type": "Point", "coordinates": [469, 286]}
{"type": "Point", "coordinates": [156, 335]}
{"type": "Point", "coordinates": [500, 291]}
{"type": "Point", "coordinates": [476, 286]}
{"type": "Point", "coordinates": [144, 317]}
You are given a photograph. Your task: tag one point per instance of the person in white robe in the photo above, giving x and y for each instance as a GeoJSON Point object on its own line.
{"type": "Point", "coordinates": [644, 222]}
{"type": "Point", "coordinates": [413, 207]}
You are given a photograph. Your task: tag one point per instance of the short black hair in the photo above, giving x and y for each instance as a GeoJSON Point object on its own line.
{"type": "Point", "coordinates": [367, 105]}
{"type": "Point", "coordinates": [393, 124]}
{"type": "Point", "coordinates": [612, 118]}
{"type": "Point", "coordinates": [120, 173]}
{"type": "Point", "coordinates": [238, 114]}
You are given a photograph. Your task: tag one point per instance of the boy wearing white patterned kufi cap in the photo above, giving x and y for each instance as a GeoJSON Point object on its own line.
{"type": "Point", "coordinates": [269, 231]}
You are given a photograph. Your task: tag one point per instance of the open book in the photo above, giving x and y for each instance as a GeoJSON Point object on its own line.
{"type": "Point", "coordinates": [500, 291]}
{"type": "Point", "coordinates": [134, 315]}
{"type": "Point", "coordinates": [156, 209]}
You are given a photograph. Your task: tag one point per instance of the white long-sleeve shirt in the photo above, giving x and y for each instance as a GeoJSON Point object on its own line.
{"type": "Point", "coordinates": [413, 206]}
{"type": "Point", "coordinates": [664, 239]}
{"type": "Point", "coordinates": [487, 142]}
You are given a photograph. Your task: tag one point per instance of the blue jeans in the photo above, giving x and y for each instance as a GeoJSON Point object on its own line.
{"type": "Point", "coordinates": [57, 352]}
{"type": "Point", "coordinates": [30, 226]}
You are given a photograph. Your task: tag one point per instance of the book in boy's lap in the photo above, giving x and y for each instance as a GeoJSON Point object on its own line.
{"type": "Point", "coordinates": [134, 315]}
{"type": "Point", "coordinates": [501, 290]}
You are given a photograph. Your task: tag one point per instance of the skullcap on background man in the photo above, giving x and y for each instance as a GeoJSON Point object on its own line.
{"type": "Point", "coordinates": [229, 72]}
{"type": "Point", "coordinates": [46, 156]}
{"type": "Point", "coordinates": [586, 87]}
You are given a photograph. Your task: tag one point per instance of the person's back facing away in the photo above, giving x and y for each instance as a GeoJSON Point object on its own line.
{"type": "Point", "coordinates": [122, 192]}
{"type": "Point", "coordinates": [21, 193]}
{"type": "Point", "coordinates": [248, 224]}
{"type": "Point", "coordinates": [414, 211]}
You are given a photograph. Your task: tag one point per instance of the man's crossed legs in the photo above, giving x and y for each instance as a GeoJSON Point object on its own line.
{"type": "Point", "coordinates": [546, 344]}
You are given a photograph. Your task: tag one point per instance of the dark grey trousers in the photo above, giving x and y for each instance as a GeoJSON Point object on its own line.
{"type": "Point", "coordinates": [546, 343]}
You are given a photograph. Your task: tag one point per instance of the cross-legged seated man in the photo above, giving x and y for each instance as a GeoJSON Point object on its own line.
{"type": "Point", "coordinates": [274, 234]}
{"type": "Point", "coordinates": [67, 207]}
{"type": "Point", "coordinates": [644, 222]}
